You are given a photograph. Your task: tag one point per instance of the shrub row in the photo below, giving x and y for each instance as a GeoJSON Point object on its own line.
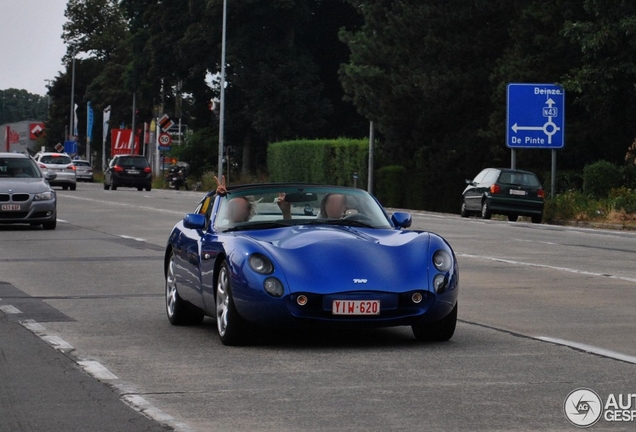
{"type": "Point", "coordinates": [319, 161]}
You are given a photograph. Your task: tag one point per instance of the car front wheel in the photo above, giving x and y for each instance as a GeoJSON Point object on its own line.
{"type": "Point", "coordinates": [233, 329]}
{"type": "Point", "coordinates": [513, 218]}
{"type": "Point", "coordinates": [179, 311]}
{"type": "Point", "coordinates": [464, 213]}
{"type": "Point", "coordinates": [438, 331]}
{"type": "Point", "coordinates": [485, 210]}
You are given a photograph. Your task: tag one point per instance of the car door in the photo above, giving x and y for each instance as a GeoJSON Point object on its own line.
{"type": "Point", "coordinates": [473, 192]}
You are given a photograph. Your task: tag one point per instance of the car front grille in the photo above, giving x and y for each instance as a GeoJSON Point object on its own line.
{"type": "Point", "coordinates": [20, 197]}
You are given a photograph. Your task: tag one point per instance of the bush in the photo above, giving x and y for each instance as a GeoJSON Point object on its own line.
{"type": "Point", "coordinates": [600, 178]}
{"type": "Point", "coordinates": [318, 161]}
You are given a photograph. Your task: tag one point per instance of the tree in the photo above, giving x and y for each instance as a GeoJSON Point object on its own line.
{"type": "Point", "coordinates": [421, 71]}
{"type": "Point", "coordinates": [18, 105]}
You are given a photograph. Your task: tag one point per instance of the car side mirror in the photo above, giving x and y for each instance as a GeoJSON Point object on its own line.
{"type": "Point", "coordinates": [194, 221]}
{"type": "Point", "coordinates": [401, 219]}
{"type": "Point", "coordinates": [470, 182]}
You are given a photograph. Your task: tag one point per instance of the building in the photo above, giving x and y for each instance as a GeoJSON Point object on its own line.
{"type": "Point", "coordinates": [21, 136]}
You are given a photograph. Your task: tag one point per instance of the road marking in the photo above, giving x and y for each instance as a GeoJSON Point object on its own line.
{"type": "Point", "coordinates": [132, 238]}
{"type": "Point", "coordinates": [589, 348]}
{"type": "Point", "coordinates": [10, 310]}
{"type": "Point", "coordinates": [565, 269]}
{"type": "Point", "coordinates": [154, 209]}
{"type": "Point", "coordinates": [57, 343]}
{"type": "Point", "coordinates": [97, 370]}
{"type": "Point", "coordinates": [62, 221]}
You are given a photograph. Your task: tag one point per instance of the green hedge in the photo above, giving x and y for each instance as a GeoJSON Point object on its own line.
{"type": "Point", "coordinates": [319, 161]}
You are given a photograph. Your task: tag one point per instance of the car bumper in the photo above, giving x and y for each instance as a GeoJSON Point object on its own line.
{"type": "Point", "coordinates": [127, 181]}
{"type": "Point", "coordinates": [38, 212]}
{"type": "Point", "coordinates": [517, 207]}
{"type": "Point", "coordinates": [63, 179]}
{"type": "Point", "coordinates": [87, 177]}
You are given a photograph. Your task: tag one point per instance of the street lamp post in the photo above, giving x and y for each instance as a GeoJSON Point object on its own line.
{"type": "Point", "coordinates": [48, 95]}
{"type": "Point", "coordinates": [222, 101]}
{"type": "Point", "coordinates": [70, 128]}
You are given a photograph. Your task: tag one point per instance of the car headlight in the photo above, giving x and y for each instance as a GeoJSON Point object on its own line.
{"type": "Point", "coordinates": [43, 196]}
{"type": "Point", "coordinates": [261, 264]}
{"type": "Point", "coordinates": [273, 287]}
{"type": "Point", "coordinates": [442, 260]}
{"type": "Point", "coordinates": [440, 283]}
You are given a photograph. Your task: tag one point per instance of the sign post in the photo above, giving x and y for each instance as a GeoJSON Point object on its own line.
{"type": "Point", "coordinates": [536, 119]}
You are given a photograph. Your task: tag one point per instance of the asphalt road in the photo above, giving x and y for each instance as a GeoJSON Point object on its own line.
{"type": "Point", "coordinates": [543, 310]}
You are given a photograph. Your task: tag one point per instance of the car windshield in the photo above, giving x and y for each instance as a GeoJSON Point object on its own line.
{"type": "Point", "coordinates": [55, 159]}
{"type": "Point", "coordinates": [18, 168]}
{"type": "Point", "coordinates": [81, 163]}
{"type": "Point", "coordinates": [519, 178]}
{"type": "Point", "coordinates": [275, 206]}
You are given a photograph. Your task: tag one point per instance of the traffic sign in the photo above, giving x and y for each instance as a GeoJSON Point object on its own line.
{"type": "Point", "coordinates": [165, 139]}
{"type": "Point", "coordinates": [536, 116]}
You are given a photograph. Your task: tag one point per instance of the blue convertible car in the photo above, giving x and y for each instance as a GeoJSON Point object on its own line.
{"type": "Point", "coordinates": [273, 255]}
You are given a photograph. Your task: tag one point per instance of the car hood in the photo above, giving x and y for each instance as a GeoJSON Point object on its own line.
{"type": "Point", "coordinates": [335, 258]}
{"type": "Point", "coordinates": [23, 185]}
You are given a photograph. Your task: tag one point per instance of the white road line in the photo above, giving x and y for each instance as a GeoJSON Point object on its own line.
{"type": "Point", "coordinates": [154, 209]}
{"type": "Point", "coordinates": [57, 343]}
{"type": "Point", "coordinates": [132, 238]}
{"type": "Point", "coordinates": [10, 310]}
{"type": "Point", "coordinates": [565, 269]}
{"type": "Point", "coordinates": [97, 370]}
{"type": "Point", "coordinates": [62, 221]}
{"type": "Point", "coordinates": [589, 348]}
{"type": "Point", "coordinates": [34, 327]}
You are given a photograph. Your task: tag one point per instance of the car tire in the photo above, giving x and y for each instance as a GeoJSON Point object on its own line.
{"type": "Point", "coordinates": [113, 186]}
{"type": "Point", "coordinates": [64, 187]}
{"type": "Point", "coordinates": [106, 186]}
{"type": "Point", "coordinates": [485, 210]}
{"type": "Point", "coordinates": [233, 329]}
{"type": "Point", "coordinates": [50, 225]}
{"type": "Point", "coordinates": [464, 213]}
{"type": "Point", "coordinates": [73, 186]}
{"type": "Point", "coordinates": [140, 188]}
{"type": "Point", "coordinates": [178, 310]}
{"type": "Point", "coordinates": [513, 218]}
{"type": "Point", "coordinates": [438, 331]}
{"type": "Point", "coordinates": [149, 188]}
{"type": "Point", "coordinates": [536, 219]}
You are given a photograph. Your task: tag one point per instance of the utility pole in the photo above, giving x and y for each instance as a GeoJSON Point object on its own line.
{"type": "Point", "coordinates": [222, 107]}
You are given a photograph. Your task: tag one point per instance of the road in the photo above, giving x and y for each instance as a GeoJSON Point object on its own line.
{"type": "Point", "coordinates": [543, 310]}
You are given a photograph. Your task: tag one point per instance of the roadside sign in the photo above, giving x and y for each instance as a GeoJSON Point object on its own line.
{"type": "Point", "coordinates": [536, 116]}
{"type": "Point", "coordinates": [59, 147]}
{"type": "Point", "coordinates": [165, 139]}
{"type": "Point", "coordinates": [165, 123]}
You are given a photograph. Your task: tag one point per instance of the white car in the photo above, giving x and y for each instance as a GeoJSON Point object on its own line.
{"type": "Point", "coordinates": [60, 164]}
{"type": "Point", "coordinates": [84, 170]}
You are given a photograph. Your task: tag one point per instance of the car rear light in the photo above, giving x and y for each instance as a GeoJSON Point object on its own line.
{"type": "Point", "coordinates": [118, 169]}
{"type": "Point", "coordinates": [71, 167]}
{"type": "Point", "coordinates": [540, 193]}
{"type": "Point", "coordinates": [42, 165]}
{"type": "Point", "coordinates": [495, 189]}
{"type": "Point", "coordinates": [147, 170]}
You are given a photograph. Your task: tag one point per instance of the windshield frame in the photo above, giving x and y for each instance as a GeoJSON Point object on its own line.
{"type": "Point", "coordinates": [364, 210]}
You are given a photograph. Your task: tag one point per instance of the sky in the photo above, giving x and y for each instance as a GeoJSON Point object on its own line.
{"type": "Point", "coordinates": [31, 46]}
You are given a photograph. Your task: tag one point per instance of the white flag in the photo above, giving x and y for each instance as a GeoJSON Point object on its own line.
{"type": "Point", "coordinates": [75, 122]}
{"type": "Point", "coordinates": [106, 122]}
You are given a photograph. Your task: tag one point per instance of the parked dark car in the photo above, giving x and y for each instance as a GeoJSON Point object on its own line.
{"type": "Point", "coordinates": [503, 191]}
{"type": "Point", "coordinates": [26, 197]}
{"type": "Point", "coordinates": [128, 171]}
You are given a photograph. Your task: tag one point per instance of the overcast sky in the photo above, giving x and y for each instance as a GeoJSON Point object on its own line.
{"type": "Point", "coordinates": [31, 47]}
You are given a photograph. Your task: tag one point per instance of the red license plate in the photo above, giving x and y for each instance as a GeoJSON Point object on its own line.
{"type": "Point", "coordinates": [10, 207]}
{"type": "Point", "coordinates": [355, 307]}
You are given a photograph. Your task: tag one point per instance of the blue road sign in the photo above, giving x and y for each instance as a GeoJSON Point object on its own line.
{"type": "Point", "coordinates": [536, 116]}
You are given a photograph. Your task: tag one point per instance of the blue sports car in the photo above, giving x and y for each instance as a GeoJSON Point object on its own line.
{"type": "Point", "coordinates": [280, 255]}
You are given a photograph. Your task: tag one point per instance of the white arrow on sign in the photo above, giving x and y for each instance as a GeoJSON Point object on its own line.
{"type": "Point", "coordinates": [549, 128]}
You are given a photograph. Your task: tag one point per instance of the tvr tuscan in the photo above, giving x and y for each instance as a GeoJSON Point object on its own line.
{"type": "Point", "coordinates": [279, 255]}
